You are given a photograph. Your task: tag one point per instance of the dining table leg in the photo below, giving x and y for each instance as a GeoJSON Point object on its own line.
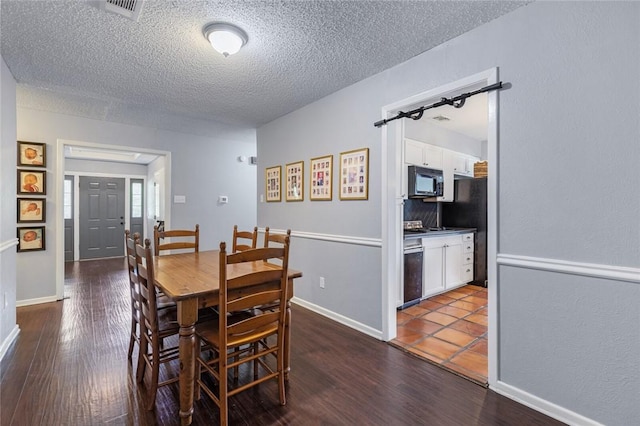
{"type": "Point", "coordinates": [287, 342]}
{"type": "Point", "coordinates": [287, 331]}
{"type": "Point", "coordinates": [187, 317]}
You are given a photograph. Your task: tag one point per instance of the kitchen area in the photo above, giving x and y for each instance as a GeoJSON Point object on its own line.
{"type": "Point", "coordinates": [442, 301]}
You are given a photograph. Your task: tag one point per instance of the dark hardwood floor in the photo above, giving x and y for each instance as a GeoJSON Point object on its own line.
{"type": "Point", "coordinates": [69, 366]}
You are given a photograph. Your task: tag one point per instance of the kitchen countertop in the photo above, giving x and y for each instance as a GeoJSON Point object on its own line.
{"type": "Point", "coordinates": [443, 232]}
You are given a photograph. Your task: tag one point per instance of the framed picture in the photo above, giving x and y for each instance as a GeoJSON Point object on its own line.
{"type": "Point", "coordinates": [32, 182]}
{"type": "Point", "coordinates": [32, 154]}
{"type": "Point", "coordinates": [32, 210]}
{"type": "Point", "coordinates": [295, 181]}
{"type": "Point", "coordinates": [354, 174]}
{"type": "Point", "coordinates": [321, 174]}
{"type": "Point", "coordinates": [31, 239]}
{"type": "Point", "coordinates": [272, 182]}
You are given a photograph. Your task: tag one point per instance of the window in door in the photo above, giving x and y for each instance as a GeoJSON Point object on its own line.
{"type": "Point", "coordinates": [137, 206]}
{"type": "Point", "coordinates": [68, 219]}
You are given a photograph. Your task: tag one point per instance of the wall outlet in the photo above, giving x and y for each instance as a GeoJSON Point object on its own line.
{"type": "Point", "coordinates": [321, 282]}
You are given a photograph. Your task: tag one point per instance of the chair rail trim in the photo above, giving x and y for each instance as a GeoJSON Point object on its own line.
{"type": "Point", "coordinates": [617, 273]}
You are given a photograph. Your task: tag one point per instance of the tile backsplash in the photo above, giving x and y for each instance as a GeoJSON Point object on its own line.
{"type": "Point", "coordinates": [416, 209]}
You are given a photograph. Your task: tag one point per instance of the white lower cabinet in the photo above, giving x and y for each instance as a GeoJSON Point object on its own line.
{"type": "Point", "coordinates": [448, 263]}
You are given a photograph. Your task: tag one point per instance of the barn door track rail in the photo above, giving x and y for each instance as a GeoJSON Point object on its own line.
{"type": "Point", "coordinates": [456, 102]}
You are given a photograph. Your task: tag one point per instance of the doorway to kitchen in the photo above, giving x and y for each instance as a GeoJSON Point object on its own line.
{"type": "Point", "coordinates": [393, 194]}
{"type": "Point", "coordinates": [449, 330]}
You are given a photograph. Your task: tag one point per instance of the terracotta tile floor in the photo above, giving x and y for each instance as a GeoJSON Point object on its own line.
{"type": "Point", "coordinates": [450, 330]}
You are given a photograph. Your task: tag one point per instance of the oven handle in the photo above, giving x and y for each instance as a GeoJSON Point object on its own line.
{"type": "Point", "coordinates": [415, 249]}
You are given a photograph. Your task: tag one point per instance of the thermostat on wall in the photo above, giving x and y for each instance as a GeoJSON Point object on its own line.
{"type": "Point", "coordinates": [223, 199]}
{"type": "Point", "coordinates": [179, 199]}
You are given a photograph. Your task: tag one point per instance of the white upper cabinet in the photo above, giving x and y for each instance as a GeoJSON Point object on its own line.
{"type": "Point", "coordinates": [422, 154]}
{"type": "Point", "coordinates": [459, 164]}
{"type": "Point", "coordinates": [452, 163]}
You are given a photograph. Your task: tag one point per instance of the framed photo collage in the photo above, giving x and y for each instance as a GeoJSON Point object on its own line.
{"type": "Point", "coordinates": [353, 178]}
{"type": "Point", "coordinates": [31, 203]}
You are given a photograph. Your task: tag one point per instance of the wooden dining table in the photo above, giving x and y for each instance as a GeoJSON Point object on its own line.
{"type": "Point", "coordinates": [192, 281]}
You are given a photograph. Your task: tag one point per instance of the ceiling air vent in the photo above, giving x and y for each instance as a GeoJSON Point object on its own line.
{"type": "Point", "coordinates": [127, 8]}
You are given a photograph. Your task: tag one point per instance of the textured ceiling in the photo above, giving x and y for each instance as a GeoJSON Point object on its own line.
{"type": "Point", "coordinates": [75, 58]}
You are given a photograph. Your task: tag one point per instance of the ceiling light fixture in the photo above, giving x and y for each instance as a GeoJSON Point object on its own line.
{"type": "Point", "coordinates": [225, 38]}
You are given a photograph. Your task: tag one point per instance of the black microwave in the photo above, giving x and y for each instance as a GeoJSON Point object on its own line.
{"type": "Point", "coordinates": [424, 182]}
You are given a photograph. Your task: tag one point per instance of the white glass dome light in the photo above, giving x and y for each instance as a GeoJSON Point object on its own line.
{"type": "Point", "coordinates": [225, 38]}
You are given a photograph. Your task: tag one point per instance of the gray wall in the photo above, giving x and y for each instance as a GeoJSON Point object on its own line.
{"type": "Point", "coordinates": [8, 148]}
{"type": "Point", "coordinates": [338, 123]}
{"type": "Point", "coordinates": [202, 168]}
{"type": "Point", "coordinates": [567, 192]}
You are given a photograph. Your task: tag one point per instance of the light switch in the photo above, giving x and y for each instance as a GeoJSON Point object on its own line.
{"type": "Point", "coordinates": [179, 199]}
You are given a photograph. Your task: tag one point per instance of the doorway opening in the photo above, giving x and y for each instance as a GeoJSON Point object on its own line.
{"type": "Point", "coordinates": [119, 184]}
{"type": "Point", "coordinates": [393, 198]}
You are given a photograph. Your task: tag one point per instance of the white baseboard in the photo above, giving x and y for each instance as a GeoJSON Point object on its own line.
{"type": "Point", "coordinates": [338, 318]}
{"type": "Point", "coordinates": [9, 340]}
{"type": "Point", "coordinates": [29, 302]}
{"type": "Point", "coordinates": [552, 410]}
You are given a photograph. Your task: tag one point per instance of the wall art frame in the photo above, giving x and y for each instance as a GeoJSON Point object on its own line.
{"type": "Point", "coordinates": [354, 174]}
{"type": "Point", "coordinates": [32, 154]}
{"type": "Point", "coordinates": [32, 182]}
{"type": "Point", "coordinates": [31, 210]}
{"type": "Point", "coordinates": [321, 178]}
{"type": "Point", "coordinates": [294, 181]}
{"type": "Point", "coordinates": [273, 183]}
{"type": "Point", "coordinates": [31, 239]}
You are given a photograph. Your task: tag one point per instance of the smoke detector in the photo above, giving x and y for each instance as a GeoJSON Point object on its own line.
{"type": "Point", "coordinates": [128, 8]}
{"type": "Point", "coordinates": [441, 118]}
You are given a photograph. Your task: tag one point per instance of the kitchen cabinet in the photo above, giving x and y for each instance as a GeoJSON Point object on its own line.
{"type": "Point", "coordinates": [422, 154]}
{"type": "Point", "coordinates": [460, 164]}
{"type": "Point", "coordinates": [452, 163]}
{"type": "Point", "coordinates": [448, 263]}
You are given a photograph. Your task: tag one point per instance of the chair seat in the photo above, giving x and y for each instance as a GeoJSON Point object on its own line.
{"type": "Point", "coordinates": [208, 331]}
{"type": "Point", "coordinates": [165, 302]}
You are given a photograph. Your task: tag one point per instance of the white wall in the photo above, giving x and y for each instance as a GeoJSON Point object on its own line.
{"type": "Point", "coordinates": [202, 168]}
{"type": "Point", "coordinates": [8, 156]}
{"type": "Point", "coordinates": [106, 167]}
{"type": "Point", "coordinates": [423, 131]}
{"type": "Point", "coordinates": [568, 200]}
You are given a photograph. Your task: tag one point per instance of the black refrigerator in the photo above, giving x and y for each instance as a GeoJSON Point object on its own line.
{"type": "Point", "coordinates": [469, 210]}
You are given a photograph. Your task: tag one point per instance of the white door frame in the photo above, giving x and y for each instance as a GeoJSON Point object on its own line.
{"type": "Point", "coordinates": [59, 196]}
{"type": "Point", "coordinates": [392, 135]}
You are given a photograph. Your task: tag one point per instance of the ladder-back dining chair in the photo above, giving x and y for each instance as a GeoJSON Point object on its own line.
{"type": "Point", "coordinates": [155, 327]}
{"type": "Point", "coordinates": [134, 334]}
{"type": "Point", "coordinates": [244, 240]}
{"type": "Point", "coordinates": [256, 339]}
{"type": "Point", "coordinates": [271, 239]}
{"type": "Point", "coordinates": [179, 239]}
